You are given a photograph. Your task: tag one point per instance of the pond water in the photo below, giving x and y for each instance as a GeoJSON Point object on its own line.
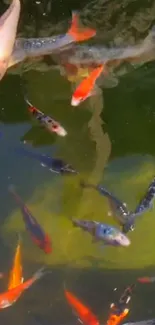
{"type": "Point", "coordinates": [110, 141]}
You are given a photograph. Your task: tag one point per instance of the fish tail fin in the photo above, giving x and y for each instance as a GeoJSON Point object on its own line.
{"type": "Point", "coordinates": [31, 108]}
{"type": "Point", "coordinates": [27, 101]}
{"type": "Point", "coordinates": [79, 34]}
{"type": "Point", "coordinates": [39, 273]}
{"type": "Point", "coordinates": [74, 222]}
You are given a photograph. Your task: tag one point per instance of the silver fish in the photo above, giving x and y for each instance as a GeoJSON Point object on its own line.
{"type": "Point", "coordinates": [87, 55]}
{"type": "Point", "coordinates": [33, 47]}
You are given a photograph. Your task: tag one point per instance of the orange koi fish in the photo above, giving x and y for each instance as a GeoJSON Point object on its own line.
{"type": "Point", "coordinates": [9, 297]}
{"type": "Point", "coordinates": [16, 274]}
{"type": "Point", "coordinates": [119, 310]}
{"type": "Point", "coordinates": [83, 312]}
{"type": "Point", "coordinates": [146, 279]}
{"type": "Point", "coordinates": [8, 30]}
{"type": "Point", "coordinates": [116, 319]}
{"type": "Point", "coordinates": [85, 88]}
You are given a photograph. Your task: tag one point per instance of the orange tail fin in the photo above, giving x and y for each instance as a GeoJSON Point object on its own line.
{"type": "Point", "coordinates": [80, 34]}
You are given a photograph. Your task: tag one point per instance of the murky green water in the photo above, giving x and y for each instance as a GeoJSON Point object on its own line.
{"type": "Point", "coordinates": [110, 140]}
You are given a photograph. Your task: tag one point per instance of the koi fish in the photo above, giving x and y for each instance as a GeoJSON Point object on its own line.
{"type": "Point", "coordinates": [146, 279]}
{"type": "Point", "coordinates": [124, 216]}
{"type": "Point", "coordinates": [119, 310]}
{"type": "Point", "coordinates": [116, 204]}
{"type": "Point", "coordinates": [9, 297]}
{"type": "Point", "coordinates": [38, 236]}
{"type": "Point", "coordinates": [103, 232]}
{"type": "Point", "coordinates": [84, 313]}
{"type": "Point", "coordinates": [147, 201]}
{"type": "Point", "coordinates": [119, 209]}
{"type": "Point", "coordinates": [145, 204]}
{"type": "Point", "coordinates": [33, 47]}
{"type": "Point", "coordinates": [8, 30]}
{"type": "Point", "coordinates": [16, 274]}
{"type": "Point", "coordinates": [55, 165]}
{"type": "Point", "coordinates": [45, 120]}
{"type": "Point", "coordinates": [117, 319]}
{"type": "Point", "coordinates": [85, 88]}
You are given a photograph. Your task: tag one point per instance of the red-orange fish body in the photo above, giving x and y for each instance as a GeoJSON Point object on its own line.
{"type": "Point", "coordinates": [83, 312]}
{"type": "Point", "coordinates": [85, 88]}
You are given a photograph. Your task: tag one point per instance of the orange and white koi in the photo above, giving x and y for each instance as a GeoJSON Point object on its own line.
{"type": "Point", "coordinates": [85, 88]}
{"type": "Point", "coordinates": [9, 297]}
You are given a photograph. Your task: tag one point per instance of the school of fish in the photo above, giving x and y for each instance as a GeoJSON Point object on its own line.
{"type": "Point", "coordinates": [96, 62]}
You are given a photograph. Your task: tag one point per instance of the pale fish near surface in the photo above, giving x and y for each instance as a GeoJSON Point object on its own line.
{"type": "Point", "coordinates": [8, 29]}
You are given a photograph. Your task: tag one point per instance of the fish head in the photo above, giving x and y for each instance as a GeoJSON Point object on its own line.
{"type": "Point", "coordinates": [81, 93]}
{"type": "Point", "coordinates": [76, 100]}
{"type": "Point", "coordinates": [121, 239]}
{"type": "Point", "coordinates": [57, 128]}
{"type": "Point", "coordinates": [84, 224]}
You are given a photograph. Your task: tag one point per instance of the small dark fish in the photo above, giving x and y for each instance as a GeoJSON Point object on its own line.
{"type": "Point", "coordinates": [103, 232]}
{"type": "Point", "coordinates": [47, 121]}
{"type": "Point", "coordinates": [147, 201]}
{"type": "Point", "coordinates": [55, 165]}
{"type": "Point", "coordinates": [119, 307]}
{"type": "Point", "coordinates": [39, 237]}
